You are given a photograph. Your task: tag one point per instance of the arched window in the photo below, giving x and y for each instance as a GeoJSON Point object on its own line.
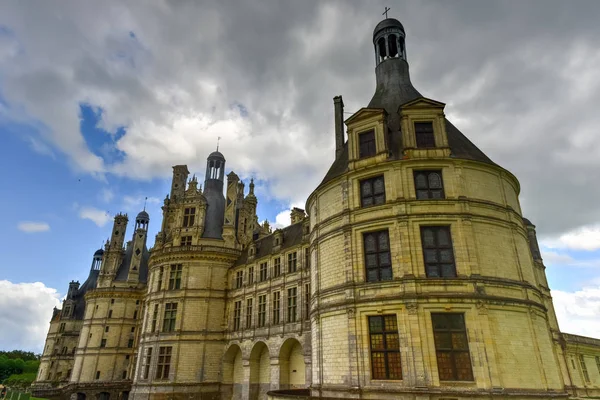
{"type": "Point", "coordinates": [382, 50]}
{"type": "Point", "coordinates": [393, 45]}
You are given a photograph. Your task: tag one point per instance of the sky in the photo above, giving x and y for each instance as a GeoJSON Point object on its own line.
{"type": "Point", "coordinates": [98, 100]}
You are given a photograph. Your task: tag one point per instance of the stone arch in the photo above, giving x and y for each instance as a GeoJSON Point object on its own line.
{"type": "Point", "coordinates": [81, 396]}
{"type": "Point", "coordinates": [292, 369]}
{"type": "Point", "coordinates": [233, 373]}
{"type": "Point", "coordinates": [260, 371]}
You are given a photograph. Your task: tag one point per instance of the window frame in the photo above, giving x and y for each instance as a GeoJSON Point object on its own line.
{"type": "Point", "coordinates": [276, 267]}
{"type": "Point", "coordinates": [169, 317]}
{"type": "Point", "coordinates": [186, 241]}
{"type": "Point", "coordinates": [438, 251]}
{"type": "Point", "coordinates": [424, 139]}
{"type": "Point", "coordinates": [189, 217]}
{"type": "Point", "coordinates": [249, 304]}
{"type": "Point", "coordinates": [452, 351]}
{"type": "Point", "coordinates": [175, 273]}
{"type": "Point", "coordinates": [239, 279]}
{"type": "Point", "coordinates": [262, 310]}
{"type": "Point", "coordinates": [262, 272]}
{"type": "Point", "coordinates": [251, 275]}
{"type": "Point", "coordinates": [292, 262]}
{"type": "Point", "coordinates": [292, 305]}
{"type": "Point", "coordinates": [373, 196]}
{"type": "Point", "coordinates": [386, 351]}
{"type": "Point", "coordinates": [428, 190]}
{"type": "Point", "coordinates": [163, 364]}
{"type": "Point", "coordinates": [367, 144]}
{"type": "Point", "coordinates": [377, 253]}
{"type": "Point", "coordinates": [276, 308]}
{"type": "Point", "coordinates": [237, 315]}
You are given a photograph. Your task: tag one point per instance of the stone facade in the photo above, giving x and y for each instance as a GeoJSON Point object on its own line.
{"type": "Point", "coordinates": [413, 276]}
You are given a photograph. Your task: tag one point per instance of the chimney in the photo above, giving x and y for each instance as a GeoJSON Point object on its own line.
{"type": "Point", "coordinates": [338, 106]}
{"type": "Point", "coordinates": [297, 215]}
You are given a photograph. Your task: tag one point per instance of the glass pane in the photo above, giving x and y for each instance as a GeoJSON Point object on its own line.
{"type": "Point", "coordinates": [390, 323]}
{"type": "Point", "coordinates": [372, 275]}
{"type": "Point", "coordinates": [443, 236]}
{"type": "Point", "coordinates": [445, 366]}
{"type": "Point", "coordinates": [446, 255]}
{"type": "Point", "coordinates": [431, 256]}
{"type": "Point", "coordinates": [439, 321]}
{"type": "Point", "coordinates": [378, 186]}
{"type": "Point", "coordinates": [428, 238]}
{"type": "Point", "coordinates": [384, 259]}
{"type": "Point", "coordinates": [459, 341]}
{"type": "Point", "coordinates": [366, 188]}
{"type": "Point", "coordinates": [395, 368]}
{"type": "Point", "coordinates": [435, 180]}
{"type": "Point", "coordinates": [436, 194]}
{"type": "Point", "coordinates": [421, 181]}
{"type": "Point", "coordinates": [448, 270]}
{"type": "Point", "coordinates": [386, 274]}
{"type": "Point", "coordinates": [378, 361]}
{"type": "Point", "coordinates": [375, 324]}
{"type": "Point", "coordinates": [371, 260]}
{"type": "Point", "coordinates": [370, 243]}
{"type": "Point", "coordinates": [383, 241]}
{"type": "Point", "coordinates": [464, 371]}
{"type": "Point", "coordinates": [443, 340]}
{"type": "Point", "coordinates": [367, 201]}
{"type": "Point", "coordinates": [392, 342]}
{"type": "Point", "coordinates": [379, 199]}
{"type": "Point", "coordinates": [457, 321]}
{"type": "Point", "coordinates": [422, 194]}
{"type": "Point", "coordinates": [377, 341]}
{"type": "Point", "coordinates": [432, 271]}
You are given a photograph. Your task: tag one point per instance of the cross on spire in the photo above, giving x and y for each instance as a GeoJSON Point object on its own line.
{"type": "Point", "coordinates": [386, 11]}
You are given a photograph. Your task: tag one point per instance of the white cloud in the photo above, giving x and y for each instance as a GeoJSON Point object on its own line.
{"type": "Point", "coordinates": [283, 219]}
{"type": "Point", "coordinates": [135, 203]}
{"type": "Point", "coordinates": [584, 238]}
{"type": "Point", "coordinates": [578, 312]}
{"type": "Point", "coordinates": [33, 227]}
{"type": "Point", "coordinates": [25, 312]}
{"type": "Point", "coordinates": [107, 195]}
{"type": "Point", "coordinates": [99, 217]}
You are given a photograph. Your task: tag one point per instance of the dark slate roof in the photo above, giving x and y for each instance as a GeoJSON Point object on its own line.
{"type": "Point", "coordinates": [79, 298]}
{"type": "Point", "coordinates": [143, 215]}
{"type": "Point", "coordinates": [123, 270]}
{"type": "Point", "coordinates": [388, 23]}
{"type": "Point", "coordinates": [216, 154]}
{"type": "Point", "coordinates": [292, 236]}
{"type": "Point", "coordinates": [99, 252]}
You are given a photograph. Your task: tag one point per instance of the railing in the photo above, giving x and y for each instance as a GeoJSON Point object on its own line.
{"type": "Point", "coordinates": [197, 249]}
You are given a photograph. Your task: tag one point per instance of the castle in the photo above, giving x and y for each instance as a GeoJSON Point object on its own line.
{"type": "Point", "coordinates": [413, 276]}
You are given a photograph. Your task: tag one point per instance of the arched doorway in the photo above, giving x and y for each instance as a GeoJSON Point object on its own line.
{"type": "Point", "coordinates": [260, 371]}
{"type": "Point", "coordinates": [292, 369]}
{"type": "Point", "coordinates": [233, 373]}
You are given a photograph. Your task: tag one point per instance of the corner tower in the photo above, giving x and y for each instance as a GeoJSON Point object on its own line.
{"type": "Point", "coordinates": [423, 271]}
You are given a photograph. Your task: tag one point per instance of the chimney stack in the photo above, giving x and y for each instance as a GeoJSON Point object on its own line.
{"type": "Point", "coordinates": [338, 105]}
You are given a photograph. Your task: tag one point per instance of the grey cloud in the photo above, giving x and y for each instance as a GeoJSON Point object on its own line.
{"type": "Point", "coordinates": [518, 78]}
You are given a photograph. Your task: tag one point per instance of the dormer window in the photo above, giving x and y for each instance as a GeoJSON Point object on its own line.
{"type": "Point", "coordinates": [424, 134]}
{"type": "Point", "coordinates": [366, 144]}
{"type": "Point", "coordinates": [189, 215]}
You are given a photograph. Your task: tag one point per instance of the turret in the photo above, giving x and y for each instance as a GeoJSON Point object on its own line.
{"type": "Point", "coordinates": [118, 233]}
{"type": "Point", "coordinates": [73, 287]}
{"type": "Point", "coordinates": [180, 174]}
{"type": "Point", "coordinates": [139, 243]}
{"type": "Point", "coordinates": [213, 191]}
{"type": "Point", "coordinates": [97, 260]}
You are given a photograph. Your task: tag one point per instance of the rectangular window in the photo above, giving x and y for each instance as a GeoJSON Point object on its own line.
{"type": "Point", "coordinates": [262, 310]}
{"type": "Point", "coordinates": [307, 258]}
{"type": "Point", "coordinates": [292, 304]}
{"type": "Point", "coordinates": [598, 363]}
{"type": "Point", "coordinates": [378, 261]}
{"type": "Point", "coordinates": [452, 347]}
{"type": "Point", "coordinates": [169, 317]}
{"type": "Point", "coordinates": [248, 313]}
{"type": "Point", "coordinates": [586, 375]}
{"type": "Point", "coordinates": [237, 314]}
{"type": "Point", "coordinates": [135, 314]}
{"type": "Point", "coordinates": [307, 301]}
{"type": "Point", "coordinates": [250, 275]}
{"type": "Point", "coordinates": [263, 272]}
{"type": "Point", "coordinates": [130, 343]}
{"type": "Point", "coordinates": [429, 185]}
{"type": "Point", "coordinates": [437, 252]}
{"type": "Point", "coordinates": [109, 313]}
{"type": "Point", "coordinates": [188, 217]}
{"type": "Point", "coordinates": [147, 361]}
{"type": "Point", "coordinates": [106, 328]}
{"type": "Point", "coordinates": [366, 144]}
{"type": "Point", "coordinates": [103, 343]}
{"type": "Point", "coordinates": [160, 278]}
{"type": "Point", "coordinates": [175, 277]}
{"type": "Point", "coordinates": [97, 375]}
{"type": "Point", "coordinates": [239, 279]}
{"type": "Point", "coordinates": [276, 307]}
{"type": "Point", "coordinates": [124, 375]}
{"type": "Point", "coordinates": [164, 362]}
{"type": "Point", "coordinates": [385, 347]}
{"type": "Point", "coordinates": [292, 262]}
{"type": "Point", "coordinates": [424, 134]}
{"type": "Point", "coordinates": [276, 267]}
{"type": "Point", "coordinates": [61, 328]}
{"type": "Point", "coordinates": [372, 191]}
{"type": "Point", "coordinates": [186, 240]}
{"type": "Point", "coordinates": [154, 318]}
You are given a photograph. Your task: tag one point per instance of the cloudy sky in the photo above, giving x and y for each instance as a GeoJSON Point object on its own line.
{"type": "Point", "coordinates": [99, 99]}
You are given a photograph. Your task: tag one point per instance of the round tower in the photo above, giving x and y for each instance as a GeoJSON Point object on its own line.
{"type": "Point", "coordinates": [423, 272]}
